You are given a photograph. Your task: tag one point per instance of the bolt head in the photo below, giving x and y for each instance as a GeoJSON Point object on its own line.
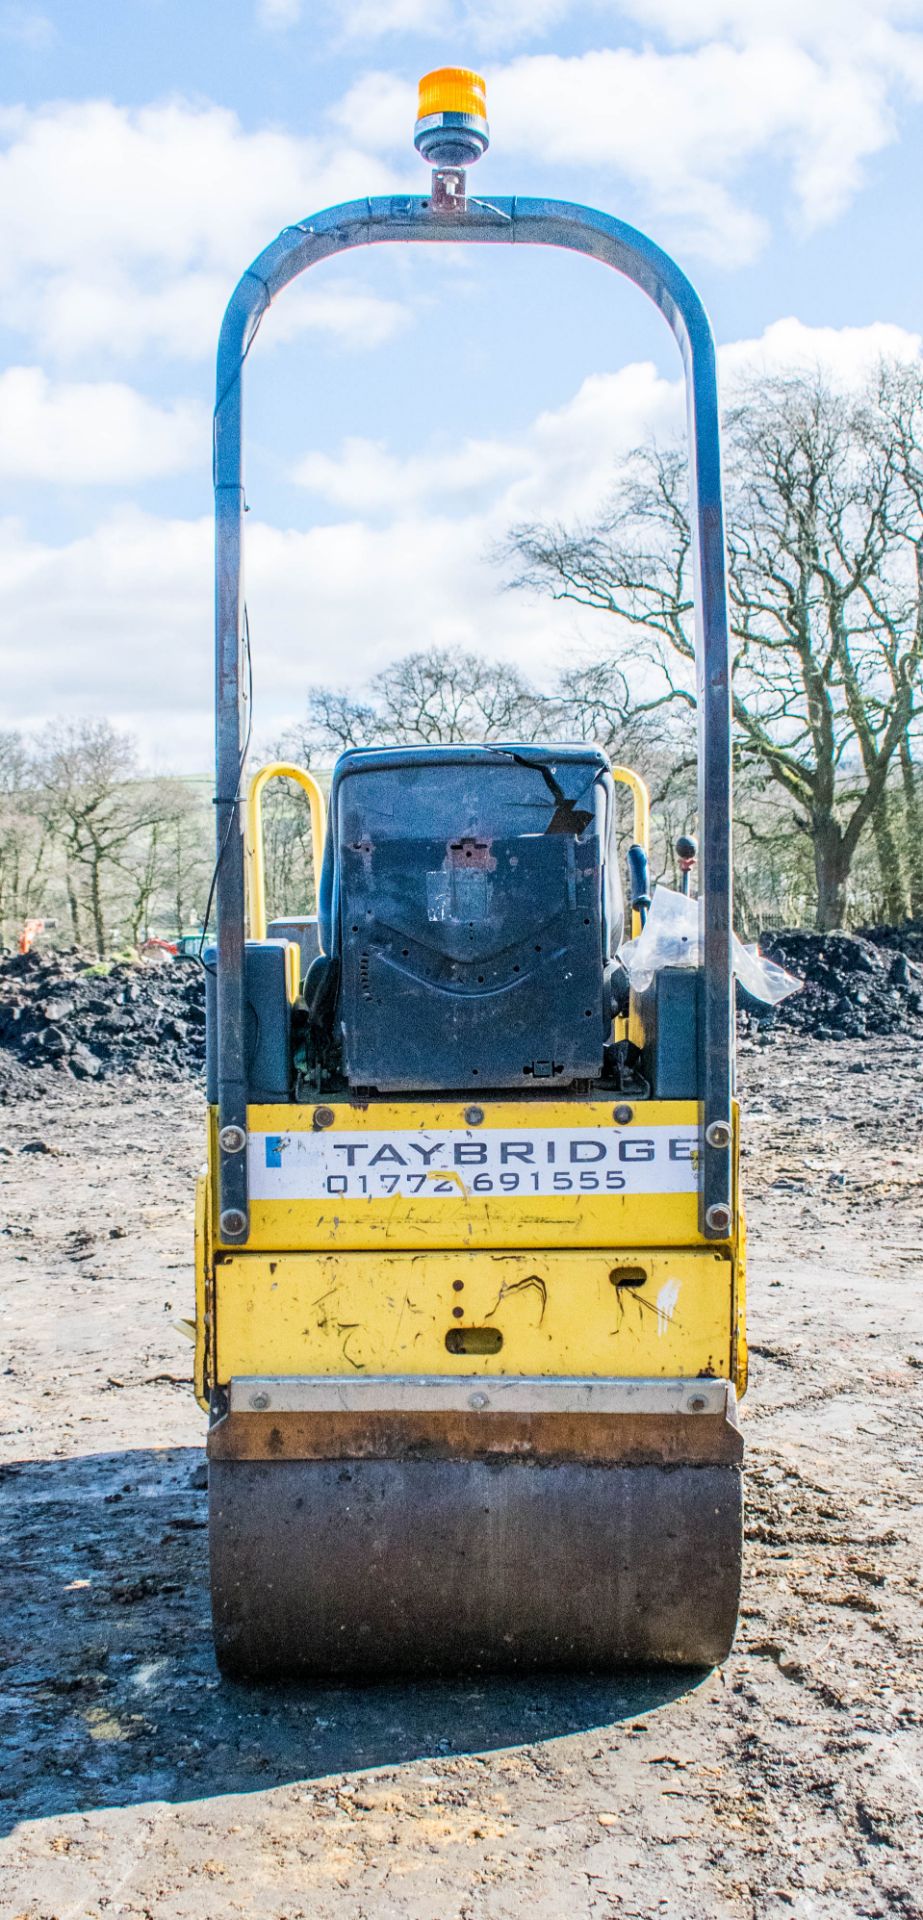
{"type": "Point", "coordinates": [232, 1222]}
{"type": "Point", "coordinates": [622, 1115]}
{"type": "Point", "coordinates": [718, 1134]}
{"type": "Point", "coordinates": [323, 1117]}
{"type": "Point", "coordinates": [232, 1139]}
{"type": "Point", "coordinates": [718, 1218]}
{"type": "Point", "coordinates": [474, 1116]}
{"type": "Point", "coordinates": [477, 1401]}
{"type": "Point", "coordinates": [259, 1402]}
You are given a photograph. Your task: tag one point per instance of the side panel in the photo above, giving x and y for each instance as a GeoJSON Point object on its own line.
{"type": "Point", "coordinates": [631, 1314]}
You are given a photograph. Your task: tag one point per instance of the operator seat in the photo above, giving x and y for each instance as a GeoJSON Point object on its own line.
{"type": "Point", "coordinates": [468, 912]}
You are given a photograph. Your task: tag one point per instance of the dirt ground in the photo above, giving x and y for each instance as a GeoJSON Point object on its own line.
{"type": "Point", "coordinates": [136, 1782]}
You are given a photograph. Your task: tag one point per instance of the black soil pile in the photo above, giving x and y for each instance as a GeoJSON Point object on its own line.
{"type": "Point", "coordinates": [855, 985]}
{"type": "Point", "coordinates": [58, 1014]}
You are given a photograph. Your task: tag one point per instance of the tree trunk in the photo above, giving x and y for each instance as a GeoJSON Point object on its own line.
{"type": "Point", "coordinates": [831, 870]}
{"type": "Point", "coordinates": [180, 901]}
{"type": "Point", "coordinates": [96, 903]}
{"type": "Point", "coordinates": [894, 900]}
{"type": "Point", "coordinates": [74, 909]}
{"type": "Point", "coordinates": [913, 838]}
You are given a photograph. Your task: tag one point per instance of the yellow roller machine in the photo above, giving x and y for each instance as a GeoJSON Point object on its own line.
{"type": "Point", "coordinates": [469, 1246]}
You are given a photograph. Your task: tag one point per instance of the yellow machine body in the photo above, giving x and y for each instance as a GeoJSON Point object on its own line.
{"type": "Point", "coordinates": [455, 1332]}
{"type": "Point", "coordinates": [449, 1278]}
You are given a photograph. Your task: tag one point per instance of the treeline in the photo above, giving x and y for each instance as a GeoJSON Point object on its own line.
{"type": "Point", "coordinates": [114, 856]}
{"type": "Point", "coordinates": [92, 842]}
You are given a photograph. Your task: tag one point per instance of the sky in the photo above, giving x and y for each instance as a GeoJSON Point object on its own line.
{"type": "Point", "coordinates": [404, 408]}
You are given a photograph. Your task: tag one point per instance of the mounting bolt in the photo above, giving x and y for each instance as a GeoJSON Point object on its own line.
{"type": "Point", "coordinates": [622, 1115]}
{"type": "Point", "coordinates": [718, 1218]}
{"type": "Point", "coordinates": [323, 1117]}
{"type": "Point", "coordinates": [719, 1133]}
{"type": "Point", "coordinates": [259, 1402]}
{"type": "Point", "coordinates": [478, 1400]}
{"type": "Point", "coordinates": [232, 1139]}
{"type": "Point", "coordinates": [697, 1404]}
{"type": "Point", "coordinates": [474, 1116]}
{"type": "Point", "coordinates": [232, 1222]}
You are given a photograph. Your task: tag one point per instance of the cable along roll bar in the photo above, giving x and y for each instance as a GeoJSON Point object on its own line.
{"type": "Point", "coordinates": [500, 222]}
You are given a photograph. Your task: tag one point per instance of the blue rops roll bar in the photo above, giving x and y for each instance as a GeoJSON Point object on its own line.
{"type": "Point", "coordinates": [550, 223]}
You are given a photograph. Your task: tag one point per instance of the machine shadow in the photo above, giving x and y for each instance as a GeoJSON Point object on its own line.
{"type": "Point", "coordinates": [111, 1692]}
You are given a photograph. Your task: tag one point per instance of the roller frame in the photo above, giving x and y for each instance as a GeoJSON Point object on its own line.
{"type": "Point", "coordinates": [502, 221]}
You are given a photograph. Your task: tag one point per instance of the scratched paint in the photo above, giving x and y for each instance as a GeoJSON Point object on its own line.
{"type": "Point", "coordinates": [666, 1306]}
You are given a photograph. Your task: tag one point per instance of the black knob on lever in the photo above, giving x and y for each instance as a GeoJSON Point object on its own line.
{"type": "Point", "coordinates": [639, 885]}
{"type": "Point", "coordinates": [686, 852]}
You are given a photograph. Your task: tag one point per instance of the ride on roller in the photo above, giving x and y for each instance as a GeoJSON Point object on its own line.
{"type": "Point", "coordinates": [469, 1246]}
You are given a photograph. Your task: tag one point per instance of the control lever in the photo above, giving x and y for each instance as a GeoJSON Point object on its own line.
{"type": "Point", "coordinates": [686, 852]}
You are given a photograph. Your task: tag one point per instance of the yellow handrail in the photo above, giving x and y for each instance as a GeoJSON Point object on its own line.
{"type": "Point", "coordinates": [642, 805]}
{"type": "Point", "coordinates": [256, 870]}
{"type": "Point", "coordinates": [641, 801]}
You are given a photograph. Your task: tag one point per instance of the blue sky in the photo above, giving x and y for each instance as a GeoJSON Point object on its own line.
{"type": "Point", "coordinates": [403, 409]}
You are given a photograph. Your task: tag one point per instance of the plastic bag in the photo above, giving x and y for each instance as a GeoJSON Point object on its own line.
{"type": "Point", "coordinates": [671, 938]}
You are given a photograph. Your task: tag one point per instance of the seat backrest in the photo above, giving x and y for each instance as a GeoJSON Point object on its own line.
{"type": "Point", "coordinates": [467, 894]}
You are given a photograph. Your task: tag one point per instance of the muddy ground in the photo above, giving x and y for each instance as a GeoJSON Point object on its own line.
{"type": "Point", "coordinates": [135, 1782]}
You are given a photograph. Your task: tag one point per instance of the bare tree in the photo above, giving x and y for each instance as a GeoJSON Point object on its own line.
{"type": "Point", "coordinates": [188, 853]}
{"type": "Point", "coordinates": [825, 493]}
{"type": "Point", "coordinates": [96, 803]}
{"type": "Point", "coordinates": [441, 694]}
{"type": "Point", "coordinates": [24, 839]}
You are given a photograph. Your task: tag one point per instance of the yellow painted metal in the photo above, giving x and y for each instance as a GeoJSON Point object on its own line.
{"type": "Point", "coordinates": [641, 803]}
{"type": "Point", "coordinates": [336, 1286]}
{"type": "Point", "coordinates": [204, 1275]}
{"type": "Point", "coordinates": [575, 1219]}
{"type": "Point", "coordinates": [255, 866]}
{"type": "Point", "coordinates": [559, 1312]}
{"type": "Point", "coordinates": [741, 1354]}
{"type": "Point", "coordinates": [293, 970]}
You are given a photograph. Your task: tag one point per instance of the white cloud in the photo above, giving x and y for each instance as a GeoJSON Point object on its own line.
{"type": "Point", "coordinates": [832, 24]}
{"type": "Point", "coordinates": [122, 230]}
{"type": "Point", "coordinates": [119, 621]}
{"type": "Point", "coordinates": [182, 318]}
{"type": "Point", "coordinates": [277, 14]}
{"type": "Point", "coordinates": [482, 23]}
{"type": "Point", "coordinates": [92, 432]}
{"type": "Point", "coordinates": [24, 26]}
{"type": "Point", "coordinates": [560, 465]}
{"type": "Point", "coordinates": [685, 125]}
{"type": "Point", "coordinates": [847, 355]}
{"type": "Point", "coordinates": [365, 478]}
{"type": "Point", "coordinates": [354, 317]}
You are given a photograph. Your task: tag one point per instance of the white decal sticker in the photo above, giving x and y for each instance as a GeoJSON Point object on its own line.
{"type": "Point", "coordinates": [385, 1165]}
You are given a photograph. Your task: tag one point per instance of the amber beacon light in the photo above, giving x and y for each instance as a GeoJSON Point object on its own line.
{"type": "Point", "coordinates": [451, 129]}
